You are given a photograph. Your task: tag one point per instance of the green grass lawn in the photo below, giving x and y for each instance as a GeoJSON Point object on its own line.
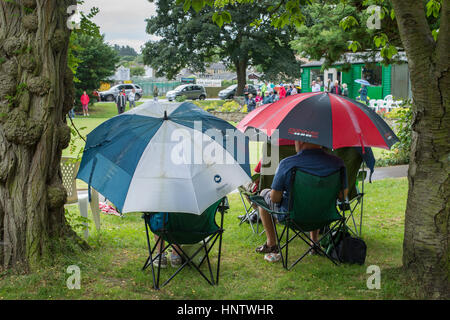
{"type": "Point", "coordinates": [111, 269]}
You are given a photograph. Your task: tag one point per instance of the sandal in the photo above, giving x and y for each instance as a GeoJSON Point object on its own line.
{"type": "Point", "coordinates": [272, 257]}
{"type": "Point", "coordinates": [175, 260]}
{"type": "Point", "coordinates": [266, 249]}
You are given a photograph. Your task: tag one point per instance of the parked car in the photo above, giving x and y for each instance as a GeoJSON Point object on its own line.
{"type": "Point", "coordinates": [191, 91]}
{"type": "Point", "coordinates": [111, 94]}
{"type": "Point", "coordinates": [230, 92]}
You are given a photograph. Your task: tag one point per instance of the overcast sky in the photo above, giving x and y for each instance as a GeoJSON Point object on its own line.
{"type": "Point", "coordinates": [122, 22]}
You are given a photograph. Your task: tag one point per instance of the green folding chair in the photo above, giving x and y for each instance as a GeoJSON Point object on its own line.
{"type": "Point", "coordinates": [312, 206]}
{"type": "Point", "coordinates": [186, 229]}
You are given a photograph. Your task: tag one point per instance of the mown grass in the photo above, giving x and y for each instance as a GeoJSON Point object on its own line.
{"type": "Point", "coordinates": [111, 269]}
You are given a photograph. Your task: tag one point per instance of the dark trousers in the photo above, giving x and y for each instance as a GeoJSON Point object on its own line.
{"type": "Point", "coordinates": [120, 109]}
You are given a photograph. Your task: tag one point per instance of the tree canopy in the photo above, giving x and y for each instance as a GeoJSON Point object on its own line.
{"type": "Point", "coordinates": [98, 62]}
{"type": "Point", "coordinates": [123, 51]}
{"type": "Point", "coordinates": [192, 39]}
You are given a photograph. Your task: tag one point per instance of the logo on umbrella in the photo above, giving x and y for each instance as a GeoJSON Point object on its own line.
{"type": "Point", "coordinates": [217, 179]}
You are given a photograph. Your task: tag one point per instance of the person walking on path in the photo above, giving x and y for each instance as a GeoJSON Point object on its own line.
{"type": "Point", "coordinates": [121, 102]}
{"type": "Point", "coordinates": [85, 103]}
{"type": "Point", "coordinates": [155, 93]}
{"type": "Point", "coordinates": [132, 99]}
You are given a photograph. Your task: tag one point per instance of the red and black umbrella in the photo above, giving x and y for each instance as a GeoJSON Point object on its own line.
{"type": "Point", "coordinates": [322, 118]}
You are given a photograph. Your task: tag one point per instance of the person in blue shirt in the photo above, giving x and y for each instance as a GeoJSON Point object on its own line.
{"type": "Point", "coordinates": [267, 98]}
{"type": "Point", "coordinates": [310, 158]}
{"type": "Point", "coordinates": [363, 94]}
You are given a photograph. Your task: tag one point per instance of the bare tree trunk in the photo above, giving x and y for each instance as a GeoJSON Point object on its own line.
{"type": "Point", "coordinates": [241, 71]}
{"type": "Point", "coordinates": [426, 242]}
{"type": "Point", "coordinates": [36, 92]}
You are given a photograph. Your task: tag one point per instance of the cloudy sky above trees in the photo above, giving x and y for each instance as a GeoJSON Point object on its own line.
{"type": "Point", "coordinates": [122, 22]}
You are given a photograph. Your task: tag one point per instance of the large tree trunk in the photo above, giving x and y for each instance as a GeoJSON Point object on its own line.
{"type": "Point", "coordinates": [36, 92]}
{"type": "Point", "coordinates": [241, 71]}
{"type": "Point", "coordinates": [426, 242]}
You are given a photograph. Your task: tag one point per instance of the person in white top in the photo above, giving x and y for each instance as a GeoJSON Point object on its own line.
{"type": "Point", "coordinates": [315, 86]}
{"type": "Point", "coordinates": [132, 99]}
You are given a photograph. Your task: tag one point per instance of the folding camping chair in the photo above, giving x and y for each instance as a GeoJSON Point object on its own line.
{"type": "Point", "coordinates": [312, 206]}
{"type": "Point", "coordinates": [250, 212]}
{"type": "Point", "coordinates": [185, 229]}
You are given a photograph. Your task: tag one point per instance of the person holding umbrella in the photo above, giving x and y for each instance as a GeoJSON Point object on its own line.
{"type": "Point", "coordinates": [363, 91]}
{"type": "Point", "coordinates": [363, 94]}
{"type": "Point", "coordinates": [312, 159]}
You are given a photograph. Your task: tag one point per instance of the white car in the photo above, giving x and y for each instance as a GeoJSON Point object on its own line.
{"type": "Point", "coordinates": [111, 94]}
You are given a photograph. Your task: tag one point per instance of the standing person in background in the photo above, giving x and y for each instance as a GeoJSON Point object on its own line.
{"type": "Point", "coordinates": [272, 87]}
{"type": "Point", "coordinates": [315, 87]}
{"type": "Point", "coordinates": [267, 98]}
{"type": "Point", "coordinates": [155, 93]}
{"type": "Point", "coordinates": [251, 103]}
{"type": "Point", "coordinates": [294, 90]}
{"type": "Point", "coordinates": [132, 99]}
{"type": "Point", "coordinates": [121, 102]}
{"type": "Point", "coordinates": [259, 98]}
{"type": "Point", "coordinates": [275, 96]}
{"type": "Point", "coordinates": [344, 90]}
{"type": "Point", "coordinates": [263, 89]}
{"type": "Point", "coordinates": [85, 103]}
{"type": "Point", "coordinates": [327, 87]}
{"type": "Point", "coordinates": [289, 90]}
{"type": "Point", "coordinates": [336, 88]}
{"type": "Point", "coordinates": [282, 92]}
{"type": "Point", "coordinates": [319, 81]}
{"type": "Point", "coordinates": [363, 94]}
{"type": "Point", "coordinates": [246, 93]}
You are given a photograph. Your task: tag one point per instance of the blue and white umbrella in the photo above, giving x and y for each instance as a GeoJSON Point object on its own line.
{"type": "Point", "coordinates": [362, 81]}
{"type": "Point", "coordinates": [165, 158]}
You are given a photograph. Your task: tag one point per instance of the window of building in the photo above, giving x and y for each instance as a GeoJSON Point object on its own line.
{"type": "Point", "coordinates": [373, 74]}
{"type": "Point", "coordinates": [316, 75]}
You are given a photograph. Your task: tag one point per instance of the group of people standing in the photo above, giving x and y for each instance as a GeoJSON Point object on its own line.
{"type": "Point", "coordinates": [268, 93]}
{"type": "Point", "coordinates": [122, 98]}
{"type": "Point", "coordinates": [335, 88]}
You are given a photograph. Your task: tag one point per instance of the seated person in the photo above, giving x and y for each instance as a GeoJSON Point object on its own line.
{"type": "Point", "coordinates": [309, 158]}
{"type": "Point", "coordinates": [156, 221]}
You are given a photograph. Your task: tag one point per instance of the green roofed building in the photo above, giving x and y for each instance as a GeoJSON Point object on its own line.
{"type": "Point", "coordinates": [392, 80]}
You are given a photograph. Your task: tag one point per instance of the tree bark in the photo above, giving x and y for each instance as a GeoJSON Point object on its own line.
{"type": "Point", "coordinates": [241, 71]}
{"type": "Point", "coordinates": [426, 241]}
{"type": "Point", "coordinates": [36, 92]}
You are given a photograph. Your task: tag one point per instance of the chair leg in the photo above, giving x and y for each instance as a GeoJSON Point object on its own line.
{"type": "Point", "coordinates": [95, 209]}
{"type": "Point", "coordinates": [222, 213]}
{"type": "Point", "coordinates": [83, 207]}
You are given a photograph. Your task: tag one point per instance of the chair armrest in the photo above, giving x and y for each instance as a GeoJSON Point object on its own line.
{"type": "Point", "coordinates": [260, 202]}
{"type": "Point", "coordinates": [344, 205]}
